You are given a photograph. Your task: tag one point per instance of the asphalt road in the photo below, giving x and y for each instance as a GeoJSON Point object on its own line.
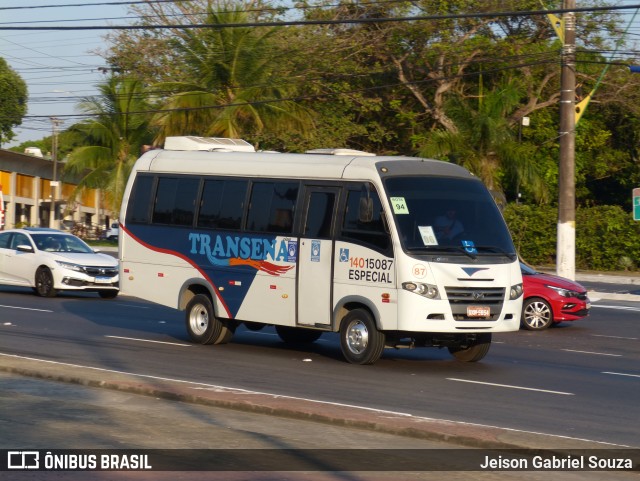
{"type": "Point", "coordinates": [578, 381]}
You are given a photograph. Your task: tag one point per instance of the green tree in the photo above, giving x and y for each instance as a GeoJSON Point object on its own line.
{"type": "Point", "coordinates": [233, 88]}
{"type": "Point", "coordinates": [484, 143]}
{"type": "Point", "coordinates": [385, 87]}
{"type": "Point", "coordinates": [112, 139]}
{"type": "Point", "coordinates": [13, 92]}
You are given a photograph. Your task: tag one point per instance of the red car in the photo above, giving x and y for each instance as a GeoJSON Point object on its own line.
{"type": "Point", "coordinates": [550, 299]}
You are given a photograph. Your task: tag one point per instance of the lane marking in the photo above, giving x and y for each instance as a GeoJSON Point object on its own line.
{"type": "Point", "coordinates": [621, 308]}
{"type": "Point", "coordinates": [149, 340]}
{"type": "Point", "coordinates": [419, 418]}
{"type": "Point", "coordinates": [594, 353]}
{"type": "Point", "coordinates": [26, 308]}
{"type": "Point", "coordinates": [130, 306]}
{"type": "Point", "coordinates": [621, 374]}
{"type": "Point", "coordinates": [510, 386]}
{"type": "Point", "coordinates": [616, 337]}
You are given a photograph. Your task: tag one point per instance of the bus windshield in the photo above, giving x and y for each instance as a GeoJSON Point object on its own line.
{"type": "Point", "coordinates": [445, 214]}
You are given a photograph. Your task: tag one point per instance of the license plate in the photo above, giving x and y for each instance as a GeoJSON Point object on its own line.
{"type": "Point", "coordinates": [103, 280]}
{"type": "Point", "coordinates": [478, 311]}
{"type": "Point", "coordinates": [588, 305]}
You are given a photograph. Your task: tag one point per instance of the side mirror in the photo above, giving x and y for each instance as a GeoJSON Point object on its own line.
{"type": "Point", "coordinates": [24, 248]}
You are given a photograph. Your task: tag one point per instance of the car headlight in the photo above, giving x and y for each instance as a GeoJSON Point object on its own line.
{"type": "Point", "coordinates": [564, 292]}
{"type": "Point", "coordinates": [515, 292]}
{"type": "Point", "coordinates": [70, 266]}
{"type": "Point", "coordinates": [426, 290]}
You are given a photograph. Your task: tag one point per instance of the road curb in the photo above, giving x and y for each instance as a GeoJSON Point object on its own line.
{"type": "Point", "coordinates": [453, 432]}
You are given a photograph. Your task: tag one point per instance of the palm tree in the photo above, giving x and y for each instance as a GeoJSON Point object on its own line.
{"type": "Point", "coordinates": [112, 139]}
{"type": "Point", "coordinates": [233, 87]}
{"type": "Point", "coordinates": [484, 143]}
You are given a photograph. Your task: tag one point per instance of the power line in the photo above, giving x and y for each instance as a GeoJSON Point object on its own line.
{"type": "Point", "coordinates": [99, 4]}
{"type": "Point", "coordinates": [297, 98]}
{"type": "Point", "coordinates": [333, 22]}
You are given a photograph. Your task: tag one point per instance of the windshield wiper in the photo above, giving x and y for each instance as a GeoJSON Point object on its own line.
{"type": "Point", "coordinates": [495, 249]}
{"type": "Point", "coordinates": [485, 249]}
{"type": "Point", "coordinates": [439, 248]}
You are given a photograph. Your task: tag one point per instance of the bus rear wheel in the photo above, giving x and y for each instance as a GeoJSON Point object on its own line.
{"type": "Point", "coordinates": [202, 325]}
{"type": "Point", "coordinates": [472, 350]}
{"type": "Point", "coordinates": [360, 340]}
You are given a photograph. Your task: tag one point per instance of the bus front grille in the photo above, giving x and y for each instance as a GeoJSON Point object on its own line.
{"type": "Point", "coordinates": [462, 297]}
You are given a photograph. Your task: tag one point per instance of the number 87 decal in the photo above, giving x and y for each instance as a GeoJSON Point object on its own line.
{"type": "Point", "coordinates": [419, 271]}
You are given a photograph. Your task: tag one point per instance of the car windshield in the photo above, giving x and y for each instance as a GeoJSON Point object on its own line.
{"type": "Point", "coordinates": [60, 243]}
{"type": "Point", "coordinates": [448, 215]}
{"type": "Point", "coordinates": [526, 270]}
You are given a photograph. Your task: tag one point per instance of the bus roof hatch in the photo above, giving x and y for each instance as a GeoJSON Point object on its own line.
{"type": "Point", "coordinates": [210, 144]}
{"type": "Point", "coordinates": [340, 152]}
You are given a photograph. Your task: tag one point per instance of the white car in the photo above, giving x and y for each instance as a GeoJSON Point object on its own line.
{"type": "Point", "coordinates": [112, 233]}
{"type": "Point", "coordinates": [49, 260]}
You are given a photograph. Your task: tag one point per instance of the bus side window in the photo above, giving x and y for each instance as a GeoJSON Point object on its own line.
{"type": "Point", "coordinates": [222, 204]}
{"type": "Point", "coordinates": [175, 201]}
{"type": "Point", "coordinates": [320, 215]}
{"type": "Point", "coordinates": [271, 208]}
{"type": "Point", "coordinates": [364, 218]}
{"type": "Point", "coordinates": [140, 200]}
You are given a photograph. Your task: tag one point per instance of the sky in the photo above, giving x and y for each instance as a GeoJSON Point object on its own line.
{"type": "Point", "coordinates": [62, 67]}
{"type": "Point", "coordinates": [58, 66]}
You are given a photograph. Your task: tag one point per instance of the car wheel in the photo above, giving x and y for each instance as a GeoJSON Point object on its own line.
{"type": "Point", "coordinates": [473, 351]}
{"type": "Point", "coordinates": [297, 336]}
{"type": "Point", "coordinates": [44, 283]}
{"type": "Point", "coordinates": [202, 324]}
{"type": "Point", "coordinates": [360, 340]}
{"type": "Point", "coordinates": [111, 294]}
{"type": "Point", "coordinates": [536, 314]}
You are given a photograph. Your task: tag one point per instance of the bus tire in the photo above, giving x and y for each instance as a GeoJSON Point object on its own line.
{"type": "Point", "coordinates": [226, 333]}
{"type": "Point", "coordinates": [202, 325]}
{"type": "Point", "coordinates": [474, 351]}
{"type": "Point", "coordinates": [360, 340]}
{"type": "Point", "coordinates": [295, 335]}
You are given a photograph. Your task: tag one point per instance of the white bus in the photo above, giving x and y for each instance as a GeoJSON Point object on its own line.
{"type": "Point", "coordinates": [386, 251]}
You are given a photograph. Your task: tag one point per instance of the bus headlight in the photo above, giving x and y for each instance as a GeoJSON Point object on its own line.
{"type": "Point", "coordinates": [516, 291]}
{"type": "Point", "coordinates": [426, 290]}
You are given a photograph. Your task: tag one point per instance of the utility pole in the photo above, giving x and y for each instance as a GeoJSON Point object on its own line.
{"type": "Point", "coordinates": [53, 222]}
{"type": "Point", "coordinates": [566, 248]}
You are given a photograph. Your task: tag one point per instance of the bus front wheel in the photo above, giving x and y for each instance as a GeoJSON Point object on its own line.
{"type": "Point", "coordinates": [202, 324]}
{"type": "Point", "coordinates": [472, 350]}
{"type": "Point", "coordinates": [360, 340]}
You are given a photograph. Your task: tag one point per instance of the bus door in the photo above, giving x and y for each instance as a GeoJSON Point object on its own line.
{"type": "Point", "coordinates": [315, 257]}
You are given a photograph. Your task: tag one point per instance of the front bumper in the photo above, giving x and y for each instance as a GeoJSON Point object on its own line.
{"type": "Point", "coordinates": [73, 280]}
